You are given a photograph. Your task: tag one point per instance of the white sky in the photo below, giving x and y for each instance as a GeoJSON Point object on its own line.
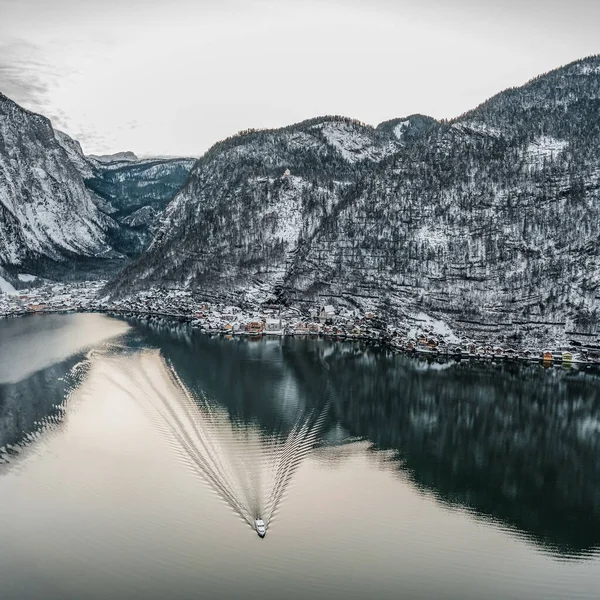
{"type": "Point", "coordinates": [175, 76]}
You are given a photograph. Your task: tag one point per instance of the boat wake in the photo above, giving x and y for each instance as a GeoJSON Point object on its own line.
{"type": "Point", "coordinates": [248, 468]}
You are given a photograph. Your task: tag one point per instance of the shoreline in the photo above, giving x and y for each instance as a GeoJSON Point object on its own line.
{"type": "Point", "coordinates": [418, 334]}
{"type": "Point", "coordinates": [371, 340]}
{"type": "Point", "coordinates": [384, 342]}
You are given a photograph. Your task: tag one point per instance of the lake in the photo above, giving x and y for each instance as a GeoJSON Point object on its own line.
{"type": "Point", "coordinates": [134, 459]}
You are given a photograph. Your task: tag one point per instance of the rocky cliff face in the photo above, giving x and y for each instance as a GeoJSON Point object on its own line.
{"type": "Point", "coordinates": [62, 212]}
{"type": "Point", "coordinates": [490, 220]}
{"type": "Point", "coordinates": [45, 209]}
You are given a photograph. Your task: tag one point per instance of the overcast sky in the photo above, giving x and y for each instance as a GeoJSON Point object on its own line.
{"type": "Point", "coordinates": [171, 77]}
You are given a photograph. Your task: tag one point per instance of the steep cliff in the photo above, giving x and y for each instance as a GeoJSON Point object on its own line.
{"type": "Point", "coordinates": [46, 212]}
{"type": "Point", "coordinates": [65, 214]}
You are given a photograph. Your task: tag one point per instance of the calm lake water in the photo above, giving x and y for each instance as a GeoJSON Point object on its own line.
{"type": "Point", "coordinates": [134, 459]}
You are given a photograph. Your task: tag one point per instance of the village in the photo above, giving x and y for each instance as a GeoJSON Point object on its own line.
{"type": "Point", "coordinates": [423, 337]}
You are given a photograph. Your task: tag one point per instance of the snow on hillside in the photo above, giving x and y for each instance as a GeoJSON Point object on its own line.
{"type": "Point", "coordinates": [401, 128]}
{"type": "Point", "coordinates": [587, 69]}
{"type": "Point", "coordinates": [45, 209]}
{"type": "Point", "coordinates": [436, 327]}
{"type": "Point", "coordinates": [6, 287]}
{"type": "Point", "coordinates": [477, 127]}
{"type": "Point", "coordinates": [454, 227]}
{"type": "Point", "coordinates": [150, 167]}
{"type": "Point", "coordinates": [544, 149]}
{"type": "Point", "coordinates": [353, 144]}
{"type": "Point", "coordinates": [117, 157]}
{"type": "Point", "coordinates": [75, 153]}
{"type": "Point", "coordinates": [143, 217]}
{"type": "Point", "coordinates": [286, 215]}
{"type": "Point", "coordinates": [432, 236]}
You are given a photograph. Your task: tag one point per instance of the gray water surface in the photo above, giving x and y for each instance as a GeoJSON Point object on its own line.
{"type": "Point", "coordinates": [134, 459]}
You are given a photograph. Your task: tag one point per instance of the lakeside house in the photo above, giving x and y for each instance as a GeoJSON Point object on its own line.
{"type": "Point", "coordinates": [275, 320]}
{"type": "Point", "coordinates": [255, 328]}
{"type": "Point", "coordinates": [300, 328]}
{"type": "Point", "coordinates": [273, 327]}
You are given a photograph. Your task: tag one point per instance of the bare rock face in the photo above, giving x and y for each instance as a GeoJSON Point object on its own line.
{"type": "Point", "coordinates": [488, 221]}
{"type": "Point", "coordinates": [45, 209]}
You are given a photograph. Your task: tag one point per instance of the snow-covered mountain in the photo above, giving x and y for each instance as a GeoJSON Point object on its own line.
{"type": "Point", "coordinates": [134, 193]}
{"type": "Point", "coordinates": [127, 156]}
{"type": "Point", "coordinates": [61, 211]}
{"type": "Point", "coordinates": [245, 214]}
{"type": "Point", "coordinates": [46, 211]}
{"type": "Point", "coordinates": [489, 220]}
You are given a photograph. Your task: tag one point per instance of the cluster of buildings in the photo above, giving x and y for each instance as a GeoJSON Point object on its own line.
{"type": "Point", "coordinates": [52, 297]}
{"type": "Point", "coordinates": [430, 344]}
{"type": "Point", "coordinates": [263, 321]}
{"type": "Point", "coordinates": [426, 338]}
{"type": "Point", "coordinates": [421, 338]}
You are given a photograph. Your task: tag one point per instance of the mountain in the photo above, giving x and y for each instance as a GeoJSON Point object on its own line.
{"type": "Point", "coordinates": [243, 214]}
{"type": "Point", "coordinates": [490, 221]}
{"type": "Point", "coordinates": [408, 129]}
{"type": "Point", "coordinates": [117, 157]}
{"type": "Point", "coordinates": [46, 212]}
{"type": "Point", "coordinates": [134, 193]}
{"type": "Point", "coordinates": [63, 214]}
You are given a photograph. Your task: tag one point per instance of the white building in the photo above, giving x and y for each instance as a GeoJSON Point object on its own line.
{"type": "Point", "coordinates": [327, 313]}
{"type": "Point", "coordinates": [273, 327]}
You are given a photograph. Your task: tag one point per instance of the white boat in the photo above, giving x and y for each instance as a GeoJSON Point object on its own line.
{"type": "Point", "coordinates": [260, 528]}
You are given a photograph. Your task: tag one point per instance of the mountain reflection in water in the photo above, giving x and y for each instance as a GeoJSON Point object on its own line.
{"type": "Point", "coordinates": [511, 443]}
{"type": "Point", "coordinates": [514, 445]}
{"type": "Point", "coordinates": [36, 405]}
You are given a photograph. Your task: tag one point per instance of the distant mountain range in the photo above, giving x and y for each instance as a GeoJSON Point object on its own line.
{"type": "Point", "coordinates": [487, 220]}
{"type": "Point", "coordinates": [117, 157]}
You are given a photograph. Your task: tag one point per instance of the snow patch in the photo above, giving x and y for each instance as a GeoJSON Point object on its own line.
{"type": "Point", "coordinates": [401, 128]}
{"type": "Point", "coordinates": [26, 277]}
{"type": "Point", "coordinates": [478, 127]}
{"type": "Point", "coordinates": [589, 70]}
{"type": "Point", "coordinates": [544, 148]}
{"type": "Point", "coordinates": [353, 144]}
{"type": "Point", "coordinates": [431, 237]}
{"type": "Point", "coordinates": [435, 326]}
{"type": "Point", "coordinates": [6, 288]}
